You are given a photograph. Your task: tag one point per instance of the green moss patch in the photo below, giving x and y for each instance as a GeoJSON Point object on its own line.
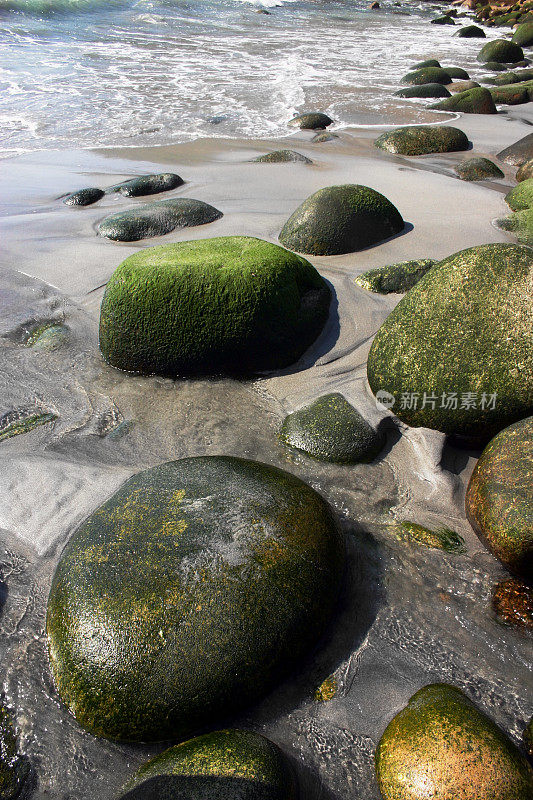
{"type": "Point", "coordinates": [22, 420]}
{"type": "Point", "coordinates": [520, 197]}
{"type": "Point", "coordinates": [395, 277]}
{"type": "Point", "coordinates": [502, 51]}
{"type": "Point", "coordinates": [440, 539]}
{"type": "Point", "coordinates": [473, 101]}
{"type": "Point", "coordinates": [416, 140]}
{"type": "Point", "coordinates": [427, 75]}
{"type": "Point", "coordinates": [478, 169]}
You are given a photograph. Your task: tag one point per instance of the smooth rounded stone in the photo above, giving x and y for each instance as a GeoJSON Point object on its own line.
{"type": "Point", "coordinates": [444, 20]}
{"type": "Point", "coordinates": [519, 152]}
{"type": "Point", "coordinates": [441, 539]}
{"type": "Point", "coordinates": [325, 137]}
{"type": "Point", "coordinates": [84, 197]}
{"type": "Point", "coordinates": [330, 429]}
{"type": "Point", "coordinates": [473, 101]}
{"type": "Point", "coordinates": [341, 219]}
{"type": "Point", "coordinates": [48, 337]}
{"type": "Point", "coordinates": [507, 78]}
{"type": "Point", "coordinates": [461, 86]}
{"type": "Point", "coordinates": [471, 32]}
{"type": "Point", "coordinates": [525, 171]}
{"type": "Point", "coordinates": [520, 197]}
{"type": "Point", "coordinates": [523, 35]}
{"type": "Point", "coordinates": [223, 765]}
{"type": "Point", "coordinates": [478, 169]}
{"type": "Point", "coordinates": [512, 602]}
{"type": "Point", "coordinates": [282, 156]}
{"type": "Point", "coordinates": [458, 73]}
{"type": "Point", "coordinates": [499, 497]}
{"type": "Point", "coordinates": [514, 95]}
{"type": "Point", "coordinates": [465, 331]}
{"type": "Point", "coordinates": [14, 768]}
{"type": "Point", "coordinates": [424, 90]}
{"type": "Point", "coordinates": [416, 140]}
{"type": "Point", "coordinates": [495, 66]}
{"type": "Point", "coordinates": [427, 75]}
{"type": "Point", "coordinates": [232, 304]}
{"type": "Point", "coordinates": [430, 62]}
{"type": "Point", "coordinates": [442, 746]}
{"type": "Point", "coordinates": [157, 219]}
{"type": "Point", "coordinates": [150, 184]}
{"type": "Point", "coordinates": [521, 224]}
{"type": "Point", "coordinates": [396, 278]}
{"type": "Point", "coordinates": [189, 594]}
{"type": "Point", "coordinates": [500, 50]}
{"type": "Point", "coordinates": [311, 120]}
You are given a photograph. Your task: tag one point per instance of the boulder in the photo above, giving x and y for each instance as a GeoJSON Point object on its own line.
{"type": "Point", "coordinates": [157, 219]}
{"type": "Point", "coordinates": [512, 601]}
{"type": "Point", "coordinates": [461, 86]}
{"type": "Point", "coordinates": [519, 152]}
{"type": "Point", "coordinates": [311, 120]}
{"type": "Point", "coordinates": [521, 224]}
{"type": "Point", "coordinates": [495, 66]}
{"type": "Point", "coordinates": [430, 62]}
{"type": "Point", "coordinates": [229, 764]}
{"type": "Point", "coordinates": [416, 140]}
{"type": "Point", "coordinates": [499, 498]}
{"type": "Point", "coordinates": [341, 219]}
{"type": "Point", "coordinates": [188, 595]}
{"type": "Point", "coordinates": [441, 746]}
{"type": "Point", "coordinates": [149, 184]}
{"type": "Point", "coordinates": [457, 351]}
{"type": "Point", "coordinates": [84, 197]}
{"type": "Point", "coordinates": [325, 137]}
{"type": "Point", "coordinates": [232, 304]}
{"type": "Point", "coordinates": [444, 20]}
{"type": "Point", "coordinates": [427, 75]}
{"type": "Point", "coordinates": [330, 429]}
{"type": "Point", "coordinates": [473, 101]}
{"type": "Point", "coordinates": [424, 90]}
{"type": "Point", "coordinates": [521, 197]}
{"type": "Point", "coordinates": [478, 169]}
{"type": "Point", "coordinates": [500, 50]}
{"type": "Point", "coordinates": [458, 73]}
{"type": "Point", "coordinates": [514, 95]}
{"type": "Point", "coordinates": [282, 156]}
{"type": "Point", "coordinates": [471, 32]}
{"type": "Point", "coordinates": [523, 35]}
{"type": "Point", "coordinates": [525, 171]}
{"type": "Point", "coordinates": [397, 278]}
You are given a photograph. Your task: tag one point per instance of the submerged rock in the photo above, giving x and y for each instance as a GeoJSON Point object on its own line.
{"type": "Point", "coordinates": [188, 595]}
{"type": "Point", "coordinates": [525, 171]}
{"type": "Point", "coordinates": [473, 101]}
{"type": "Point", "coordinates": [528, 738]}
{"type": "Point", "coordinates": [424, 90]}
{"type": "Point", "coordinates": [441, 539]}
{"type": "Point", "coordinates": [48, 337]}
{"type": "Point", "coordinates": [157, 219]}
{"type": "Point", "coordinates": [520, 197]}
{"type": "Point", "coordinates": [444, 20]}
{"type": "Point", "coordinates": [457, 73]}
{"type": "Point", "coordinates": [341, 219]}
{"type": "Point", "coordinates": [519, 152]}
{"type": "Point", "coordinates": [502, 51]}
{"type": "Point", "coordinates": [512, 601]}
{"type": "Point", "coordinates": [149, 184]}
{"type": "Point", "coordinates": [471, 32]}
{"type": "Point", "coordinates": [224, 765]}
{"type": "Point", "coordinates": [281, 156]}
{"type": "Point", "coordinates": [441, 746]}
{"type": "Point", "coordinates": [397, 278]}
{"type": "Point", "coordinates": [84, 197]}
{"type": "Point", "coordinates": [427, 75]}
{"type": "Point", "coordinates": [478, 169]}
{"type": "Point", "coordinates": [330, 429]}
{"type": "Point", "coordinates": [523, 35]}
{"type": "Point", "coordinates": [495, 66]}
{"type": "Point", "coordinates": [325, 137]}
{"type": "Point", "coordinates": [430, 62]}
{"type": "Point", "coordinates": [416, 140]}
{"type": "Point", "coordinates": [230, 304]}
{"type": "Point", "coordinates": [457, 351]}
{"type": "Point", "coordinates": [499, 498]}
{"type": "Point", "coordinates": [311, 120]}
{"type": "Point", "coordinates": [14, 768]}
{"type": "Point", "coordinates": [22, 420]}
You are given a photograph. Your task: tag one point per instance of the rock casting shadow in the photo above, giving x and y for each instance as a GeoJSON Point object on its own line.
{"type": "Point", "coordinates": [199, 787]}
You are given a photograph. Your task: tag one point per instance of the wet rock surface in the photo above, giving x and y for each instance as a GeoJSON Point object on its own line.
{"type": "Point", "coordinates": [157, 219]}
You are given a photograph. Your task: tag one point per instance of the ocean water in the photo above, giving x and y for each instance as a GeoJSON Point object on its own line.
{"type": "Point", "coordinates": [85, 73]}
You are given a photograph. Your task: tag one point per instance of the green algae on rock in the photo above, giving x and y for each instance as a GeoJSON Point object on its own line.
{"type": "Point", "coordinates": [523, 35]}
{"type": "Point", "coordinates": [440, 539]}
{"type": "Point", "coordinates": [499, 497]}
{"type": "Point", "coordinates": [441, 746]}
{"type": "Point", "coordinates": [521, 224]}
{"type": "Point", "coordinates": [519, 152]}
{"type": "Point", "coordinates": [48, 337]}
{"type": "Point", "coordinates": [330, 429]}
{"type": "Point", "coordinates": [232, 304]}
{"type": "Point", "coordinates": [326, 691]}
{"type": "Point", "coordinates": [14, 768]}
{"type": "Point", "coordinates": [282, 156]}
{"type": "Point", "coordinates": [473, 101]}
{"type": "Point", "coordinates": [424, 90]}
{"type": "Point", "coordinates": [416, 140]}
{"type": "Point", "coordinates": [525, 171]}
{"type": "Point", "coordinates": [471, 32]}
{"type": "Point", "coordinates": [427, 75]}
{"type": "Point", "coordinates": [148, 184]}
{"type": "Point", "coordinates": [513, 95]}
{"type": "Point", "coordinates": [512, 602]}
{"type": "Point", "coordinates": [397, 278]}
{"type": "Point", "coordinates": [457, 350]}
{"type": "Point", "coordinates": [458, 73]}
{"type": "Point", "coordinates": [157, 219]}
{"type": "Point", "coordinates": [430, 62]}
{"type": "Point", "coordinates": [461, 86]}
{"type": "Point", "coordinates": [444, 20]}
{"type": "Point", "coordinates": [311, 121]}
{"type": "Point", "coordinates": [341, 219]}
{"type": "Point", "coordinates": [520, 197]}
{"type": "Point", "coordinates": [478, 169]}
{"type": "Point", "coordinates": [502, 51]}
{"type": "Point", "coordinates": [189, 594]}
{"type": "Point", "coordinates": [22, 420]}
{"type": "Point", "coordinates": [84, 197]}
{"type": "Point", "coordinates": [223, 765]}
{"type": "Point", "coordinates": [325, 137]}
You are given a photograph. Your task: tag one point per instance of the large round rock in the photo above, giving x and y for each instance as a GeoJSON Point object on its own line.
{"type": "Point", "coordinates": [189, 594]}
{"type": "Point", "coordinates": [227, 305]}
{"type": "Point", "coordinates": [224, 765]}
{"type": "Point", "coordinates": [441, 746]}
{"type": "Point", "coordinates": [499, 498]}
{"type": "Point", "coordinates": [502, 51]}
{"type": "Point", "coordinates": [457, 351]}
{"type": "Point", "coordinates": [341, 219]}
{"type": "Point", "coordinates": [417, 140]}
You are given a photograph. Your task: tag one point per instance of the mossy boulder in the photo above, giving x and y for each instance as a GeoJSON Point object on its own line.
{"type": "Point", "coordinates": [520, 197]}
{"type": "Point", "coordinates": [457, 73]}
{"type": "Point", "coordinates": [478, 169]}
{"type": "Point", "coordinates": [495, 66]}
{"type": "Point", "coordinates": [157, 219]}
{"type": "Point", "coordinates": [512, 601]}
{"type": "Point", "coordinates": [499, 498]}
{"type": "Point", "coordinates": [523, 35]}
{"type": "Point", "coordinates": [416, 140]}
{"type": "Point", "coordinates": [341, 219]}
{"type": "Point", "coordinates": [444, 20]}
{"type": "Point", "coordinates": [521, 224]}
{"type": "Point", "coordinates": [188, 595]}
{"type": "Point", "coordinates": [462, 341]}
{"type": "Point", "coordinates": [461, 86]}
{"type": "Point", "coordinates": [233, 304]}
{"type": "Point", "coordinates": [429, 62]}
{"type": "Point", "coordinates": [14, 768]}
{"type": "Point", "coordinates": [471, 32]}
{"type": "Point", "coordinates": [519, 152]}
{"type": "Point", "coordinates": [525, 171]}
{"type": "Point", "coordinates": [311, 120]}
{"type": "Point", "coordinates": [397, 278]}
{"type": "Point", "coordinates": [441, 746]}
{"type": "Point", "coordinates": [282, 156]}
{"type": "Point", "coordinates": [149, 184]}
{"type": "Point", "coordinates": [427, 75]}
{"type": "Point", "coordinates": [48, 337]}
{"type": "Point", "coordinates": [424, 90]}
{"type": "Point", "coordinates": [502, 51]}
{"type": "Point", "coordinates": [84, 197]}
{"type": "Point", "coordinates": [325, 137]}
{"type": "Point", "coordinates": [330, 429]}
{"type": "Point", "coordinates": [514, 95]}
{"type": "Point", "coordinates": [224, 765]}
{"type": "Point", "coordinates": [507, 78]}
{"type": "Point", "coordinates": [473, 101]}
